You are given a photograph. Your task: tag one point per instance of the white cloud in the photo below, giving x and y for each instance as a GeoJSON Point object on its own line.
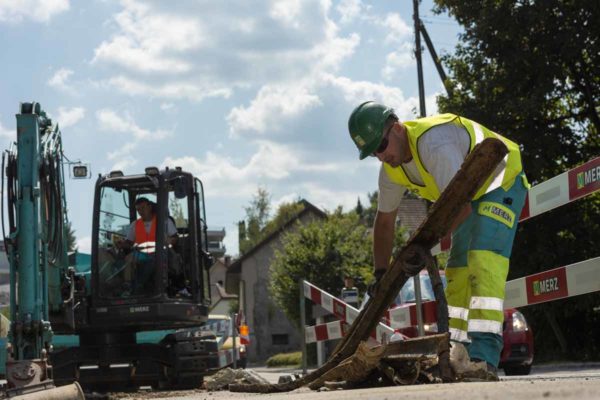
{"type": "Point", "coordinates": [148, 41]}
{"type": "Point", "coordinates": [123, 157]}
{"type": "Point", "coordinates": [396, 61]}
{"type": "Point", "coordinates": [171, 90]}
{"type": "Point", "coordinates": [286, 11]}
{"type": "Point", "coordinates": [69, 116]}
{"type": "Point", "coordinates": [111, 121]}
{"type": "Point", "coordinates": [397, 29]}
{"type": "Point", "coordinates": [270, 162]}
{"type": "Point", "coordinates": [60, 78]}
{"type": "Point", "coordinates": [37, 10]}
{"type": "Point", "coordinates": [167, 106]}
{"type": "Point", "coordinates": [196, 51]}
{"type": "Point", "coordinates": [84, 244]}
{"type": "Point", "coordinates": [350, 10]}
{"type": "Point", "coordinates": [393, 96]}
{"type": "Point", "coordinates": [272, 103]}
{"type": "Point", "coordinates": [329, 198]}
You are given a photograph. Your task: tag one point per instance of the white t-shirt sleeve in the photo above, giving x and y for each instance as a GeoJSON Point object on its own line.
{"type": "Point", "coordinates": [390, 193]}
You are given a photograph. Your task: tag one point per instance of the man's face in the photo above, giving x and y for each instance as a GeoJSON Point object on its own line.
{"type": "Point", "coordinates": [144, 209]}
{"type": "Point", "coordinates": [389, 148]}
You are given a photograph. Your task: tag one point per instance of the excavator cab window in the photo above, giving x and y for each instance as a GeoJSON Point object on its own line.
{"type": "Point", "coordinates": [126, 264]}
{"type": "Point", "coordinates": [180, 252]}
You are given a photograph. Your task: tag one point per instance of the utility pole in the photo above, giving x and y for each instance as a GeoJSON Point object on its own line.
{"type": "Point", "coordinates": [422, 113]}
{"type": "Point", "coordinates": [417, 21]}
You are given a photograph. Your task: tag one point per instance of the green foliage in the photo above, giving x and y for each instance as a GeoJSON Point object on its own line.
{"type": "Point", "coordinates": [234, 307]}
{"type": "Point", "coordinates": [538, 84]}
{"type": "Point", "coordinates": [285, 212]}
{"type": "Point", "coordinates": [321, 252]}
{"type": "Point", "coordinates": [368, 215]}
{"type": "Point", "coordinates": [285, 360]}
{"type": "Point", "coordinates": [258, 225]}
{"type": "Point", "coordinates": [257, 217]}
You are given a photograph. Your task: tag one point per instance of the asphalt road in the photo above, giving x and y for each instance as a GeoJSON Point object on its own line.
{"type": "Point", "coordinates": [558, 381]}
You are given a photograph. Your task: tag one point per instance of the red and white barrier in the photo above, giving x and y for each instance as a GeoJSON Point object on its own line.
{"type": "Point", "coordinates": [555, 192]}
{"type": "Point", "coordinates": [322, 332]}
{"type": "Point", "coordinates": [559, 283]}
{"type": "Point", "coordinates": [400, 317]}
{"type": "Point", "coordinates": [337, 307]}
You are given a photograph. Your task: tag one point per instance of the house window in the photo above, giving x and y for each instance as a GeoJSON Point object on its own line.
{"type": "Point", "coordinates": [280, 339]}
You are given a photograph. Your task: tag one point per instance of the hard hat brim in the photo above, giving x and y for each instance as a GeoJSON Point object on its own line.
{"type": "Point", "coordinates": [367, 150]}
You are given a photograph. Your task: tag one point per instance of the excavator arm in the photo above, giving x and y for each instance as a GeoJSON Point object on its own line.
{"type": "Point", "coordinates": [36, 248]}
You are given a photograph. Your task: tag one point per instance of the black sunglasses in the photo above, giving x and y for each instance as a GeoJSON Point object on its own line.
{"type": "Point", "coordinates": [384, 143]}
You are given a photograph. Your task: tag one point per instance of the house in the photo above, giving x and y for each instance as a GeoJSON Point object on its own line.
{"type": "Point", "coordinates": [270, 330]}
{"type": "Point", "coordinates": [221, 301]}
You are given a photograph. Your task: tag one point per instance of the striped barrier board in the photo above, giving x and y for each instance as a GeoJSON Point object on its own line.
{"type": "Point", "coordinates": [337, 307]}
{"type": "Point", "coordinates": [329, 331]}
{"type": "Point", "coordinates": [559, 283]}
{"type": "Point", "coordinates": [553, 193]}
{"type": "Point", "coordinates": [400, 317]}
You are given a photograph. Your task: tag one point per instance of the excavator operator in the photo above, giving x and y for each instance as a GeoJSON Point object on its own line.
{"type": "Point", "coordinates": [141, 237]}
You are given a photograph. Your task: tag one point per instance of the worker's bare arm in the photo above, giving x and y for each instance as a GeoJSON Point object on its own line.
{"type": "Point", "coordinates": [383, 238]}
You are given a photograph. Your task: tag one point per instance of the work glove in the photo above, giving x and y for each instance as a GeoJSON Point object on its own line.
{"type": "Point", "coordinates": [415, 258]}
{"type": "Point", "coordinates": [372, 288]}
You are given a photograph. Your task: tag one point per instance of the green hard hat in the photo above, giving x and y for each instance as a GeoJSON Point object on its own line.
{"type": "Point", "coordinates": [366, 126]}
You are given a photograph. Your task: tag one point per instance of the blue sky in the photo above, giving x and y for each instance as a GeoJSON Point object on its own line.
{"type": "Point", "coordinates": [242, 93]}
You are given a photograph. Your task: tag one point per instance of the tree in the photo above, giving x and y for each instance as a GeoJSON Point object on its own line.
{"type": "Point", "coordinates": [538, 84]}
{"type": "Point", "coordinates": [257, 216]}
{"type": "Point", "coordinates": [321, 252]}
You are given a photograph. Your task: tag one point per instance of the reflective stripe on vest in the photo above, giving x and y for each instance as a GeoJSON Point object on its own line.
{"type": "Point", "coordinates": [141, 236]}
{"type": "Point", "coordinates": [504, 175]}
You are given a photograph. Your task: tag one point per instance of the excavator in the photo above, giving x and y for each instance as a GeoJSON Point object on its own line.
{"type": "Point", "coordinates": [104, 312]}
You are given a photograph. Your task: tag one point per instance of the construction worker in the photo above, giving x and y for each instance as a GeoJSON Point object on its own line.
{"type": "Point", "coordinates": [142, 233]}
{"type": "Point", "coordinates": [143, 230]}
{"type": "Point", "coordinates": [423, 156]}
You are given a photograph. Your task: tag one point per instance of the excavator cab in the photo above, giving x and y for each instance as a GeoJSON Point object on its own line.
{"type": "Point", "coordinates": [150, 255]}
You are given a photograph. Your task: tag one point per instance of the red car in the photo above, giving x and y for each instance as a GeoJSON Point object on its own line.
{"type": "Point", "coordinates": [517, 355]}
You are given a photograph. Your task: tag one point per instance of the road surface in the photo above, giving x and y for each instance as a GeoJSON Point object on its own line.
{"type": "Point", "coordinates": [566, 381]}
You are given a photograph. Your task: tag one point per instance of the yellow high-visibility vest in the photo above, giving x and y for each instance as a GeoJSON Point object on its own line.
{"type": "Point", "coordinates": [477, 133]}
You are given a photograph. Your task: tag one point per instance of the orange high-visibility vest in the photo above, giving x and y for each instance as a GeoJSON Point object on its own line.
{"type": "Point", "coordinates": [141, 236]}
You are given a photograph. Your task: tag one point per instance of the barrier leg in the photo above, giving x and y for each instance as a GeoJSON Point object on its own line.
{"type": "Point", "coordinates": [303, 325]}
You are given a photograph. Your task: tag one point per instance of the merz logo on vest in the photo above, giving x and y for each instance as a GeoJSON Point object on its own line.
{"type": "Point", "coordinates": [492, 209]}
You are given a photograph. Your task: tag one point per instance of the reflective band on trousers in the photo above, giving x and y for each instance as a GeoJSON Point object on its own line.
{"type": "Point", "coordinates": [485, 325]}
{"type": "Point", "coordinates": [458, 312]}
{"type": "Point", "coordinates": [487, 303]}
{"type": "Point", "coordinates": [459, 335]}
